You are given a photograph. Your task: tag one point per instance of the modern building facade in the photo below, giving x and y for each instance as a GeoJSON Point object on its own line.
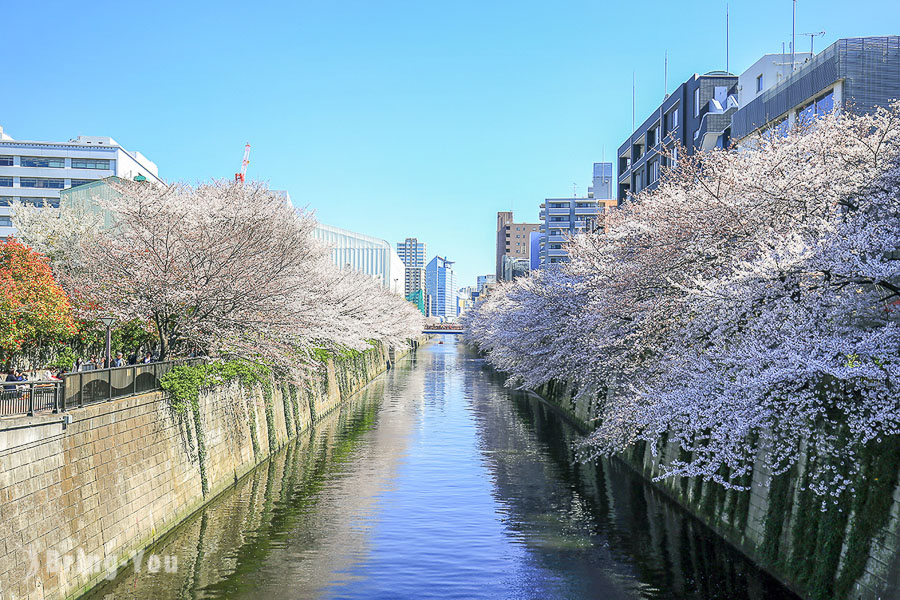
{"type": "Point", "coordinates": [440, 287]}
{"type": "Point", "coordinates": [364, 254]}
{"type": "Point", "coordinates": [483, 280]}
{"type": "Point", "coordinates": [35, 172]}
{"type": "Point", "coordinates": [412, 252]}
{"type": "Point", "coordinates": [563, 218]}
{"type": "Point", "coordinates": [512, 240]}
{"type": "Point", "coordinates": [857, 73]}
{"type": "Point", "coordinates": [695, 116]}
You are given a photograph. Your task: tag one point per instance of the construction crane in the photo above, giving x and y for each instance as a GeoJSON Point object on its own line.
{"type": "Point", "coordinates": [240, 176]}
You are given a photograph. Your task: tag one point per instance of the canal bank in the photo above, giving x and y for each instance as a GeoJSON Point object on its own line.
{"type": "Point", "coordinates": [437, 482]}
{"type": "Point", "coordinates": [82, 495]}
{"type": "Point", "coordinates": [848, 549]}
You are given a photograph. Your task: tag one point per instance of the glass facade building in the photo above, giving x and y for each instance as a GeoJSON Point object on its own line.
{"type": "Point", "coordinates": [440, 286]}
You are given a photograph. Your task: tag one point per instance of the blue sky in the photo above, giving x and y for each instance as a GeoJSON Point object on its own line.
{"type": "Point", "coordinates": [390, 118]}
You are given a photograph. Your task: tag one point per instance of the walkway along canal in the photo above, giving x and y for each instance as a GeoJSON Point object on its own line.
{"type": "Point", "coordinates": [437, 482]}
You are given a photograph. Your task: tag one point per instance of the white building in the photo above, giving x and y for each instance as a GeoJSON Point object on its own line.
{"type": "Point", "coordinates": [364, 254]}
{"type": "Point", "coordinates": [563, 218]}
{"type": "Point", "coordinates": [412, 253]}
{"type": "Point", "coordinates": [35, 172]}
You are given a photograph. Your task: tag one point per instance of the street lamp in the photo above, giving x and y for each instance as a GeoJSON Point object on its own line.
{"type": "Point", "coordinates": [108, 321]}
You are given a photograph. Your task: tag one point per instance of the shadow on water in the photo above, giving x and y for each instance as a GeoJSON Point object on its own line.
{"type": "Point", "coordinates": [609, 528]}
{"type": "Point", "coordinates": [437, 482]}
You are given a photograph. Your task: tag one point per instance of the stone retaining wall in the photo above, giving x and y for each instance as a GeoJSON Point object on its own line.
{"type": "Point", "coordinates": [850, 551]}
{"type": "Point", "coordinates": [78, 499]}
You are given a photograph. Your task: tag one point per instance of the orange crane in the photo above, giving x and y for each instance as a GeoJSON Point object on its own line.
{"type": "Point", "coordinates": [240, 176]}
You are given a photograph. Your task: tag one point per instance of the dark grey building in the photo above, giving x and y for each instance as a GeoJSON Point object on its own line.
{"type": "Point", "coordinates": [856, 73]}
{"type": "Point", "coordinates": [697, 115]}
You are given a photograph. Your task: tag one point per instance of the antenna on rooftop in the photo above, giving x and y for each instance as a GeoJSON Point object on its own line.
{"type": "Point", "coordinates": [793, 34]}
{"type": "Point", "coordinates": [574, 190]}
{"type": "Point", "coordinates": [666, 76]}
{"type": "Point", "coordinates": [727, 40]}
{"type": "Point", "coordinates": [812, 36]}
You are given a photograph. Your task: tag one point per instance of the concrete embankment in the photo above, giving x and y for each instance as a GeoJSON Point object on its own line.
{"type": "Point", "coordinates": [80, 499]}
{"type": "Point", "coordinates": [844, 548]}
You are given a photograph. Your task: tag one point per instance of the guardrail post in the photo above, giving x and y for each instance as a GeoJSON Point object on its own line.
{"type": "Point", "coordinates": [31, 400]}
{"type": "Point", "coordinates": [109, 384]}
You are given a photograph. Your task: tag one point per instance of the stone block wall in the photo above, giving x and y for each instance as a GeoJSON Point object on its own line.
{"type": "Point", "coordinates": [78, 499]}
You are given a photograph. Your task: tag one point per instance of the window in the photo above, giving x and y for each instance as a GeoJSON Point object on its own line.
{"type": "Point", "coordinates": [759, 83]}
{"type": "Point", "coordinates": [81, 181]}
{"type": "Point", "coordinates": [653, 171]}
{"type": "Point", "coordinates": [90, 163]}
{"type": "Point", "coordinates": [5, 181]}
{"type": "Point", "coordinates": [697, 102]}
{"type": "Point", "coordinates": [6, 161]}
{"type": "Point", "coordinates": [672, 120]}
{"type": "Point", "coordinates": [39, 182]}
{"type": "Point", "coordinates": [41, 161]}
{"type": "Point", "coordinates": [6, 200]}
{"type": "Point", "coordinates": [674, 155]}
{"type": "Point", "coordinates": [5, 222]}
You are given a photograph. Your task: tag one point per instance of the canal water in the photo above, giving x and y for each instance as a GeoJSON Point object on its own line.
{"type": "Point", "coordinates": [437, 482]}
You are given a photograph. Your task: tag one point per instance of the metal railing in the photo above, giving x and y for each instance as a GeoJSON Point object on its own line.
{"type": "Point", "coordinates": [102, 385]}
{"type": "Point", "coordinates": [29, 397]}
{"type": "Point", "coordinates": [84, 388]}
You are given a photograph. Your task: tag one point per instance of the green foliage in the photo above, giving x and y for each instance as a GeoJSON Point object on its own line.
{"type": "Point", "coordinates": [65, 359]}
{"type": "Point", "coordinates": [185, 382]}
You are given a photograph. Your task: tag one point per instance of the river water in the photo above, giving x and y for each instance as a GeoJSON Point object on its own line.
{"type": "Point", "coordinates": [437, 482]}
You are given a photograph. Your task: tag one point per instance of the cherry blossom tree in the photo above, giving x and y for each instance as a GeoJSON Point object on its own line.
{"type": "Point", "coordinates": [230, 269]}
{"type": "Point", "coordinates": [745, 307]}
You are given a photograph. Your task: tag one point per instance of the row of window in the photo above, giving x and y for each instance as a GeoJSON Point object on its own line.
{"type": "Point", "coordinates": [56, 163]}
{"type": "Point", "coordinates": [39, 202]}
{"type": "Point", "coordinates": [42, 182]}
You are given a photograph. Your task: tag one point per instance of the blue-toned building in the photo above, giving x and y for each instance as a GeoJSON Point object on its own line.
{"type": "Point", "coordinates": [440, 287]}
{"type": "Point", "coordinates": [534, 253]}
{"type": "Point", "coordinates": [695, 116]}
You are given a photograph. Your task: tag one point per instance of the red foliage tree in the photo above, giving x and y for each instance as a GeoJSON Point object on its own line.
{"type": "Point", "coordinates": [34, 310]}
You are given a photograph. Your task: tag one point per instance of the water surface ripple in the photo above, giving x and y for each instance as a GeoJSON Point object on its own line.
{"type": "Point", "coordinates": [438, 482]}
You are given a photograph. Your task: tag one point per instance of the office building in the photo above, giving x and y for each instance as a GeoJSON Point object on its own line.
{"type": "Point", "coordinates": [512, 240]}
{"type": "Point", "coordinates": [563, 218]}
{"type": "Point", "coordinates": [695, 116]}
{"type": "Point", "coordinates": [484, 280]}
{"type": "Point", "coordinates": [860, 73]}
{"type": "Point", "coordinates": [440, 287]}
{"type": "Point", "coordinates": [364, 254]}
{"type": "Point", "coordinates": [35, 172]}
{"type": "Point", "coordinates": [412, 253]}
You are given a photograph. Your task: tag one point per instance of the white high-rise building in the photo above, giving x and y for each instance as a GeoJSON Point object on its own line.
{"type": "Point", "coordinates": [35, 172]}
{"type": "Point", "coordinates": [412, 253]}
{"type": "Point", "coordinates": [363, 253]}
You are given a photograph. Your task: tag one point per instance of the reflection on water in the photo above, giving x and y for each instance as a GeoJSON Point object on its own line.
{"type": "Point", "coordinates": [436, 482]}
